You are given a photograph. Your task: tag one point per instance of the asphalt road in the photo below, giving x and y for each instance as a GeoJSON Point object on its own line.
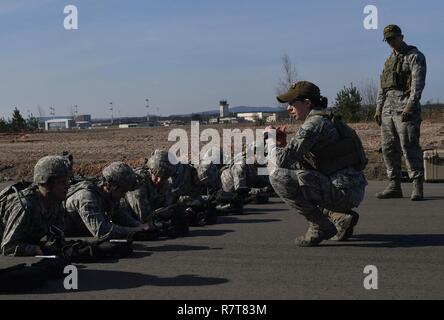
{"type": "Point", "coordinates": [253, 257]}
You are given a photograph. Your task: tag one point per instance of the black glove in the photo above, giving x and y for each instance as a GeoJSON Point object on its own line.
{"type": "Point", "coordinates": [378, 118]}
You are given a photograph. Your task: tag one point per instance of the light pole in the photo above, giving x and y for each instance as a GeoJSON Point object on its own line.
{"type": "Point", "coordinates": [147, 106]}
{"type": "Point", "coordinates": [52, 112]}
{"type": "Point", "coordinates": [112, 112]}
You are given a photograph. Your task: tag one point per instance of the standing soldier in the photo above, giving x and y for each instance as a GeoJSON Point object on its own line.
{"type": "Point", "coordinates": [398, 113]}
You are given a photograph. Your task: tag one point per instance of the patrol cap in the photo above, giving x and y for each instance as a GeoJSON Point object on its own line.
{"type": "Point", "coordinates": [50, 167]}
{"type": "Point", "coordinates": [119, 174]}
{"type": "Point", "coordinates": [160, 165]}
{"type": "Point", "coordinates": [392, 30]}
{"type": "Point", "coordinates": [304, 89]}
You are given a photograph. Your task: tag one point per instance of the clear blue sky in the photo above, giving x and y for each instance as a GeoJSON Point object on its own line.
{"type": "Point", "coordinates": [187, 55]}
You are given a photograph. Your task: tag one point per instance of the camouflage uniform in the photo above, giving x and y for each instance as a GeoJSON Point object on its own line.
{"type": "Point", "coordinates": [307, 190]}
{"type": "Point", "coordinates": [24, 218]}
{"type": "Point", "coordinates": [24, 222]}
{"type": "Point", "coordinates": [240, 175]}
{"type": "Point", "coordinates": [398, 136]}
{"type": "Point", "coordinates": [91, 210]}
{"type": "Point", "coordinates": [325, 196]}
{"type": "Point", "coordinates": [148, 197]}
{"type": "Point", "coordinates": [209, 176]}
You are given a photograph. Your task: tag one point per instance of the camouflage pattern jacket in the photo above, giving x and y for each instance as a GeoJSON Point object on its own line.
{"type": "Point", "coordinates": [147, 197]}
{"type": "Point", "coordinates": [413, 62]}
{"type": "Point", "coordinates": [25, 221]}
{"type": "Point", "coordinates": [88, 210]}
{"type": "Point", "coordinates": [316, 130]}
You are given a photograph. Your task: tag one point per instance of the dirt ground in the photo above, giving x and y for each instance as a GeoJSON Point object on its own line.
{"type": "Point", "coordinates": [94, 148]}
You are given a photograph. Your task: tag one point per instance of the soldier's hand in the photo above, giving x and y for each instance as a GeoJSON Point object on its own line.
{"type": "Point", "coordinates": [406, 116]}
{"type": "Point", "coordinates": [281, 135]}
{"type": "Point", "coordinates": [145, 227]}
{"type": "Point", "coordinates": [378, 118]}
{"type": "Point", "coordinates": [38, 251]}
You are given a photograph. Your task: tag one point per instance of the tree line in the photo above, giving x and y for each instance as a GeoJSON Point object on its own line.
{"type": "Point", "coordinates": [354, 103]}
{"type": "Point", "coordinates": [18, 124]}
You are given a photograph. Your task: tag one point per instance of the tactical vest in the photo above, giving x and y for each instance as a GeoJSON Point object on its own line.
{"type": "Point", "coordinates": [393, 77]}
{"type": "Point", "coordinates": [347, 152]}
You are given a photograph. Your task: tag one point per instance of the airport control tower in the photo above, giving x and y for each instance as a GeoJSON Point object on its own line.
{"type": "Point", "coordinates": [223, 107]}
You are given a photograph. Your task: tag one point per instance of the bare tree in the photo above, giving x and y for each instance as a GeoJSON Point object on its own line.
{"type": "Point", "coordinates": [369, 92]}
{"type": "Point", "coordinates": [40, 112]}
{"type": "Point", "coordinates": [288, 78]}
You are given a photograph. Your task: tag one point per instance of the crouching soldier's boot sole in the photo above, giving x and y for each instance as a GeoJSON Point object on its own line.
{"type": "Point", "coordinates": [320, 228]}
{"type": "Point", "coordinates": [344, 223]}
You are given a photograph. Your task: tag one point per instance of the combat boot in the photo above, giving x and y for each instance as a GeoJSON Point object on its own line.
{"type": "Point", "coordinates": [418, 190]}
{"type": "Point", "coordinates": [392, 191]}
{"type": "Point", "coordinates": [344, 223]}
{"type": "Point", "coordinates": [320, 228]}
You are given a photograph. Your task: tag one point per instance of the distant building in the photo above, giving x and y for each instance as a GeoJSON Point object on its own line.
{"type": "Point", "coordinates": [83, 118]}
{"type": "Point", "coordinates": [128, 125]}
{"type": "Point", "coordinates": [253, 116]}
{"type": "Point", "coordinates": [228, 120]}
{"type": "Point", "coordinates": [83, 124]}
{"type": "Point", "coordinates": [223, 120]}
{"type": "Point", "coordinates": [223, 107]}
{"type": "Point", "coordinates": [59, 124]}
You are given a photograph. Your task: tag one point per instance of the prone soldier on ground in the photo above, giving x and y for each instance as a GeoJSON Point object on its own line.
{"type": "Point", "coordinates": [93, 207]}
{"type": "Point", "coordinates": [29, 212]}
{"type": "Point", "coordinates": [152, 200]}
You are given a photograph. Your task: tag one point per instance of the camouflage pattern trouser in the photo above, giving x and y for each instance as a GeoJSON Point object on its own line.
{"type": "Point", "coordinates": [309, 190]}
{"type": "Point", "coordinates": [234, 178]}
{"type": "Point", "coordinates": [240, 176]}
{"type": "Point", "coordinates": [397, 137]}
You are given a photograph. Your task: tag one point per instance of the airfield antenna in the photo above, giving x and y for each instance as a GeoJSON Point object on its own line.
{"type": "Point", "coordinates": [52, 112]}
{"type": "Point", "coordinates": [112, 112]}
{"type": "Point", "coordinates": [147, 106]}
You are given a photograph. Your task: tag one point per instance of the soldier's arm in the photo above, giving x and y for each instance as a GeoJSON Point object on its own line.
{"type": "Point", "coordinates": [137, 202]}
{"type": "Point", "coordinates": [306, 137]}
{"type": "Point", "coordinates": [16, 233]}
{"type": "Point", "coordinates": [93, 217]}
{"type": "Point", "coordinates": [169, 197]}
{"type": "Point", "coordinates": [380, 100]}
{"type": "Point", "coordinates": [418, 68]}
{"type": "Point", "coordinates": [123, 217]}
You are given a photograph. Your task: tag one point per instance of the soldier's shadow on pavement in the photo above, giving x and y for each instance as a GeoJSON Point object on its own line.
{"type": "Point", "coordinates": [433, 198]}
{"type": "Point", "coordinates": [257, 210]}
{"type": "Point", "coordinates": [395, 240]}
{"type": "Point", "coordinates": [228, 220]}
{"type": "Point", "coordinates": [171, 247]}
{"type": "Point", "coordinates": [98, 280]}
{"type": "Point", "coordinates": [207, 233]}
